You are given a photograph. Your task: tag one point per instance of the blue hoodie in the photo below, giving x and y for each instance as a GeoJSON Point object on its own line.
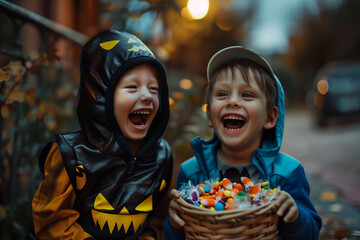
{"type": "Point", "coordinates": [277, 168]}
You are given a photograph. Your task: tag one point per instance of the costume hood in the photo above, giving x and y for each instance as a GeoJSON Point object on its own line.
{"type": "Point", "coordinates": [104, 59]}
{"type": "Point", "coordinates": [271, 141]}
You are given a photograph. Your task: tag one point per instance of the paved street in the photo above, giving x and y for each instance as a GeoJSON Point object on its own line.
{"type": "Point", "coordinates": [331, 160]}
{"type": "Point", "coordinates": [332, 153]}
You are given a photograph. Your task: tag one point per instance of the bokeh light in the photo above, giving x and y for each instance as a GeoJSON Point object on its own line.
{"type": "Point", "coordinates": [203, 107]}
{"type": "Point", "coordinates": [323, 87]}
{"type": "Point", "coordinates": [178, 95]}
{"type": "Point", "coordinates": [186, 84]}
{"type": "Point", "coordinates": [172, 103]}
{"type": "Point", "coordinates": [198, 8]}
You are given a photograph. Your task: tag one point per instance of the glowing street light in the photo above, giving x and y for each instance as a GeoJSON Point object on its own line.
{"type": "Point", "coordinates": [198, 8]}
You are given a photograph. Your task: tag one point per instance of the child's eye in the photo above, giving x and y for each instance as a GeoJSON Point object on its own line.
{"type": "Point", "coordinates": [221, 94]}
{"type": "Point", "coordinates": [131, 86]}
{"type": "Point", "coordinates": [248, 95]}
{"type": "Point", "coordinates": [154, 89]}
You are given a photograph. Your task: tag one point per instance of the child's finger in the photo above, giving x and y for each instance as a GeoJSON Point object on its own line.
{"type": "Point", "coordinates": [174, 205]}
{"type": "Point", "coordinates": [175, 194]}
{"type": "Point", "coordinates": [282, 203]}
{"type": "Point", "coordinates": [280, 198]}
{"type": "Point", "coordinates": [175, 220]}
{"type": "Point", "coordinates": [286, 207]}
{"type": "Point", "coordinates": [291, 215]}
{"type": "Point", "coordinates": [282, 209]}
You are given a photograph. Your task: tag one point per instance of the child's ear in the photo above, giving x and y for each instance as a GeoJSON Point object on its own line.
{"type": "Point", "coordinates": [208, 116]}
{"type": "Point", "coordinates": [271, 119]}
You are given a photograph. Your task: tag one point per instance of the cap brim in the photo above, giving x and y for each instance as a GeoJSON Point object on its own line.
{"type": "Point", "coordinates": [235, 53]}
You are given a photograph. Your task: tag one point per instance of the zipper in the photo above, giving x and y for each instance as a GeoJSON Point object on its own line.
{"type": "Point", "coordinates": [132, 166]}
{"type": "Point", "coordinates": [260, 166]}
{"type": "Point", "coordinates": [197, 146]}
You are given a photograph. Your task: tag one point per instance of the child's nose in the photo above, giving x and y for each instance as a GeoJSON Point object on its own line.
{"type": "Point", "coordinates": [233, 102]}
{"type": "Point", "coordinates": [145, 95]}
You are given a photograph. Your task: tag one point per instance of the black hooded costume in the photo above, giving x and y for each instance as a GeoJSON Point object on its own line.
{"type": "Point", "coordinates": [116, 192]}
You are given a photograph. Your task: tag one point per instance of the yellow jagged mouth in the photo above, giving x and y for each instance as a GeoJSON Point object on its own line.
{"type": "Point", "coordinates": [119, 220]}
{"type": "Point", "coordinates": [123, 218]}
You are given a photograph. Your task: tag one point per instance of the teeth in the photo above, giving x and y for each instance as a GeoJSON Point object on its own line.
{"type": "Point", "coordinates": [233, 117]}
{"type": "Point", "coordinates": [233, 129]}
{"type": "Point", "coordinates": [144, 113]}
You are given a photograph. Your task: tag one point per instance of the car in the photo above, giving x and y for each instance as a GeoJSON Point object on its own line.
{"type": "Point", "coordinates": [336, 91]}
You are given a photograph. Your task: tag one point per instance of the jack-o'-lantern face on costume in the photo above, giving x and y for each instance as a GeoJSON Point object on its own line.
{"type": "Point", "coordinates": [104, 212]}
{"type": "Point", "coordinates": [123, 219]}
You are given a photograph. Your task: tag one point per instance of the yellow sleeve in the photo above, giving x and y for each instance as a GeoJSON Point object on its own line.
{"type": "Point", "coordinates": [52, 205]}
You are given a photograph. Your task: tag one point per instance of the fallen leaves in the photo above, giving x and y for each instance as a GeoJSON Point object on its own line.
{"type": "Point", "coordinates": [328, 196]}
{"type": "Point", "coordinates": [4, 75]}
{"type": "Point", "coordinates": [334, 228]}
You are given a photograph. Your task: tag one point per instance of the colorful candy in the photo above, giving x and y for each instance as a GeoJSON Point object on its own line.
{"type": "Point", "coordinates": [255, 189]}
{"type": "Point", "coordinates": [219, 206]}
{"type": "Point", "coordinates": [234, 192]}
{"type": "Point", "coordinates": [208, 202]}
{"type": "Point", "coordinates": [206, 188]}
{"type": "Point", "coordinates": [219, 195]}
{"type": "Point", "coordinates": [238, 186]}
{"type": "Point", "coordinates": [226, 195]}
{"type": "Point", "coordinates": [247, 181]}
{"type": "Point", "coordinates": [227, 184]}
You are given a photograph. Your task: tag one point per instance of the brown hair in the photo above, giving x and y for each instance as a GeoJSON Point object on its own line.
{"type": "Point", "coordinates": [263, 78]}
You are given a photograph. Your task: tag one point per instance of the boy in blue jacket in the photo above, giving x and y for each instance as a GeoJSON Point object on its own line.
{"type": "Point", "coordinates": [245, 106]}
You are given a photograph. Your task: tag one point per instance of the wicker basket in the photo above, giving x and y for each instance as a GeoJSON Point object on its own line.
{"type": "Point", "coordinates": [237, 224]}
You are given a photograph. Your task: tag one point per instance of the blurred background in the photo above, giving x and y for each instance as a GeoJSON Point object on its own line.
{"type": "Point", "coordinates": [313, 46]}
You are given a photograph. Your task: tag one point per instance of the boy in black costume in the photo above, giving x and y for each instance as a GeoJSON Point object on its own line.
{"type": "Point", "coordinates": [105, 180]}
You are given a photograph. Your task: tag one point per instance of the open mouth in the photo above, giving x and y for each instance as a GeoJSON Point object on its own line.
{"type": "Point", "coordinates": [233, 122]}
{"type": "Point", "coordinates": [139, 118]}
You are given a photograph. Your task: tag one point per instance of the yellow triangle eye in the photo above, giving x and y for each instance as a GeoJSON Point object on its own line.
{"type": "Point", "coordinates": [102, 203]}
{"type": "Point", "coordinates": [146, 205]}
{"type": "Point", "coordinates": [163, 185]}
{"type": "Point", "coordinates": [109, 45]}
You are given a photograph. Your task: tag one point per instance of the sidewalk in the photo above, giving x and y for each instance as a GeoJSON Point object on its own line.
{"type": "Point", "coordinates": [340, 219]}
